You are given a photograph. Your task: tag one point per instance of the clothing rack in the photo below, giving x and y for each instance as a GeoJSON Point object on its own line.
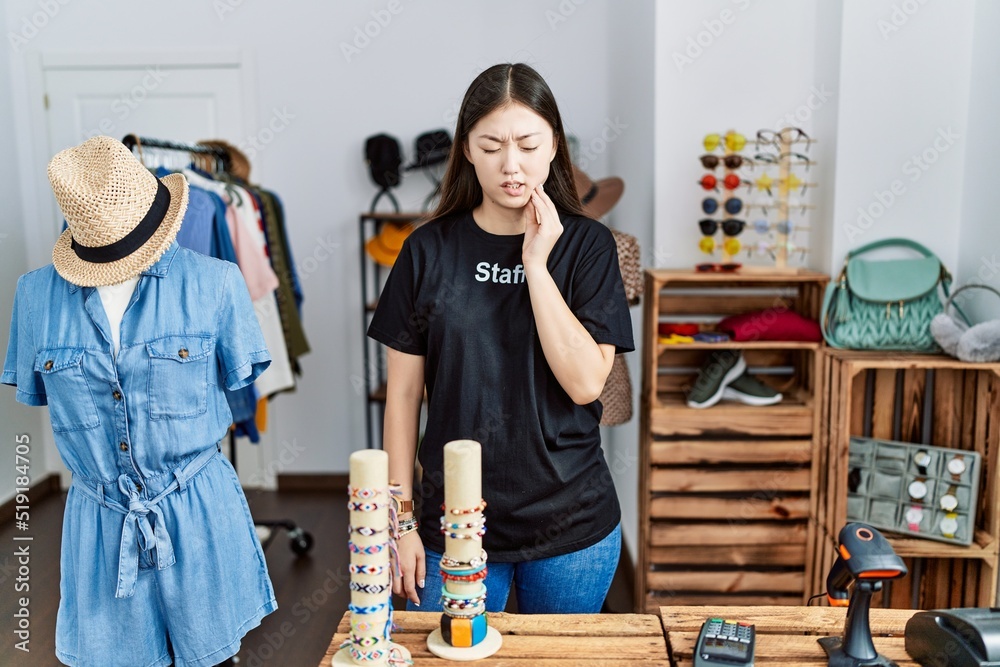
{"type": "Point", "coordinates": [132, 141]}
{"type": "Point", "coordinates": [300, 541]}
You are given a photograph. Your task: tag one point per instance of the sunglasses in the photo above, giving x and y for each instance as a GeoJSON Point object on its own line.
{"type": "Point", "coordinates": [795, 135]}
{"type": "Point", "coordinates": [731, 161]}
{"type": "Point", "coordinates": [717, 268]}
{"type": "Point", "coordinates": [733, 205]}
{"type": "Point", "coordinates": [733, 141]}
{"type": "Point", "coordinates": [730, 227]}
{"type": "Point", "coordinates": [730, 182]}
{"type": "Point", "coordinates": [784, 227]}
{"type": "Point", "coordinates": [770, 158]}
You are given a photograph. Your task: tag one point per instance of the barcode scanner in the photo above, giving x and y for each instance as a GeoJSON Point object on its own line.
{"type": "Point", "coordinates": [865, 559]}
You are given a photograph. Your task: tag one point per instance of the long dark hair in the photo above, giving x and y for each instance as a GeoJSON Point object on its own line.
{"type": "Point", "coordinates": [495, 87]}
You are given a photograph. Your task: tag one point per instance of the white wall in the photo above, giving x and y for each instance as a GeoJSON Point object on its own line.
{"type": "Point", "coordinates": [15, 419]}
{"type": "Point", "coordinates": [407, 79]}
{"type": "Point", "coordinates": [979, 245]}
{"type": "Point", "coordinates": [720, 65]}
{"type": "Point", "coordinates": [631, 27]}
{"type": "Point", "coordinates": [903, 123]}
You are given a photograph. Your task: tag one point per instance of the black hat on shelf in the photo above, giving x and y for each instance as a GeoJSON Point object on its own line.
{"type": "Point", "coordinates": [431, 148]}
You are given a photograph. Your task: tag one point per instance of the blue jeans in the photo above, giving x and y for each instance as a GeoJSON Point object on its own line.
{"type": "Point", "coordinates": [574, 583]}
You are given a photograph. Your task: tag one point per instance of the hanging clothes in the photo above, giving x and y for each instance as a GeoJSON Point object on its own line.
{"type": "Point", "coordinates": [251, 250]}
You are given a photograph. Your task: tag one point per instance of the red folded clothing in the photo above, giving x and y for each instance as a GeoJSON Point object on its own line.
{"type": "Point", "coordinates": [679, 328]}
{"type": "Point", "coordinates": [771, 324]}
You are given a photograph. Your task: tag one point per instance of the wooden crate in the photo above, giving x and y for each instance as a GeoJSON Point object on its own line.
{"type": "Point", "coordinates": [539, 640]}
{"type": "Point", "coordinates": [785, 635]}
{"type": "Point", "coordinates": [726, 492]}
{"type": "Point", "coordinates": [927, 399]}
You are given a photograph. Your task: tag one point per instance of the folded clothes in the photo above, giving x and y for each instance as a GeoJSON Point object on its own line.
{"type": "Point", "coordinates": [771, 324]}
{"type": "Point", "coordinates": [680, 328]}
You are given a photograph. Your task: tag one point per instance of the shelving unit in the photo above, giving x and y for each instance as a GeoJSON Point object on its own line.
{"type": "Point", "coordinates": [372, 273]}
{"type": "Point", "coordinates": [927, 399]}
{"type": "Point", "coordinates": [726, 493]}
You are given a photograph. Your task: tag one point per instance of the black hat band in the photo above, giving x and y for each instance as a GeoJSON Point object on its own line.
{"type": "Point", "coordinates": [135, 239]}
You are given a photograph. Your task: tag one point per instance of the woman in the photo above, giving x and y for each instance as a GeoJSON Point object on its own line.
{"type": "Point", "coordinates": [508, 306]}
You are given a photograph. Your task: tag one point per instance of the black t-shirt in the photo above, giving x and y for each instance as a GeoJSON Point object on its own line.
{"type": "Point", "coordinates": [457, 295]}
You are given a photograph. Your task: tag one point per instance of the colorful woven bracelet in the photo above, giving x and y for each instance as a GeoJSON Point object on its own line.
{"type": "Point", "coordinates": [365, 642]}
{"type": "Point", "coordinates": [367, 569]}
{"type": "Point", "coordinates": [480, 592]}
{"type": "Point", "coordinates": [364, 494]}
{"type": "Point", "coordinates": [449, 562]}
{"type": "Point", "coordinates": [373, 609]}
{"type": "Point", "coordinates": [478, 508]}
{"type": "Point", "coordinates": [365, 506]}
{"type": "Point", "coordinates": [370, 550]}
{"type": "Point", "coordinates": [371, 589]}
{"type": "Point", "coordinates": [361, 626]}
{"type": "Point", "coordinates": [460, 526]}
{"type": "Point", "coordinates": [365, 530]}
{"type": "Point", "coordinates": [467, 578]}
{"type": "Point", "coordinates": [460, 536]}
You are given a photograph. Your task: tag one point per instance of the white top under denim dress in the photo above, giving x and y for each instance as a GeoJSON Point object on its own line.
{"type": "Point", "coordinates": [160, 563]}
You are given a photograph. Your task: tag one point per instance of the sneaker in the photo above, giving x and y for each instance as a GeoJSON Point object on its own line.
{"type": "Point", "coordinates": [720, 369]}
{"type": "Point", "coordinates": [748, 389]}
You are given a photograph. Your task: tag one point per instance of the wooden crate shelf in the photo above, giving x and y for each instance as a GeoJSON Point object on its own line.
{"type": "Point", "coordinates": [726, 493]}
{"type": "Point", "coordinates": [928, 399]}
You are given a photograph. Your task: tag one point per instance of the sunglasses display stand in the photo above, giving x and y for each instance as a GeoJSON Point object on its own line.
{"type": "Point", "coordinates": [784, 140]}
{"type": "Point", "coordinates": [731, 144]}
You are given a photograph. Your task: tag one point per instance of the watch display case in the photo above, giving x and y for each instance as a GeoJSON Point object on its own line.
{"type": "Point", "coordinates": [919, 490]}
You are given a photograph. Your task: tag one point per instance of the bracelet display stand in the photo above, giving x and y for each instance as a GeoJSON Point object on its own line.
{"type": "Point", "coordinates": [371, 538]}
{"type": "Point", "coordinates": [465, 633]}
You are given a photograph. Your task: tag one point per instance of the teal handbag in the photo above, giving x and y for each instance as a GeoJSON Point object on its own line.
{"type": "Point", "coordinates": [885, 304]}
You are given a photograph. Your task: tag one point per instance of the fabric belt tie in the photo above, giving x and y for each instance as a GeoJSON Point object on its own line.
{"type": "Point", "coordinates": [137, 533]}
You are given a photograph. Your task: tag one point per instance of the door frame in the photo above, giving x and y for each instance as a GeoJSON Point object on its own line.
{"type": "Point", "coordinates": [40, 237]}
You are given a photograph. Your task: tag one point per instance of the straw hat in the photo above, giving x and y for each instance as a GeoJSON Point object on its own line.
{"type": "Point", "coordinates": [600, 197]}
{"type": "Point", "coordinates": [384, 247]}
{"type": "Point", "coordinates": [121, 218]}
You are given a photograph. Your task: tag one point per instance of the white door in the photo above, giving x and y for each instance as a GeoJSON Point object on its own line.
{"type": "Point", "coordinates": [181, 99]}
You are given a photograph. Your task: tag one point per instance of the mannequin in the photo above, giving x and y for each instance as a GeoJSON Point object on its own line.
{"type": "Point", "coordinates": [115, 300]}
{"type": "Point", "coordinates": [129, 339]}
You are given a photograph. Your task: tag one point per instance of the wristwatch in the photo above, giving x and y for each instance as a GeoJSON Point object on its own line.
{"type": "Point", "coordinates": [917, 489]}
{"type": "Point", "coordinates": [922, 459]}
{"type": "Point", "coordinates": [949, 525]}
{"type": "Point", "coordinates": [957, 466]}
{"type": "Point", "coordinates": [402, 506]}
{"type": "Point", "coordinates": [914, 515]}
{"type": "Point", "coordinates": [949, 501]}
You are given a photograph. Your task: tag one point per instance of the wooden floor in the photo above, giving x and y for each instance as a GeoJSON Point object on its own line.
{"type": "Point", "coordinates": [312, 592]}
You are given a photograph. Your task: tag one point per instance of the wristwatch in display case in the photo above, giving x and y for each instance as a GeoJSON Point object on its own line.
{"type": "Point", "coordinates": [949, 501]}
{"type": "Point", "coordinates": [922, 459]}
{"type": "Point", "coordinates": [917, 489]}
{"type": "Point", "coordinates": [914, 515]}
{"type": "Point", "coordinates": [957, 466]}
{"type": "Point", "coordinates": [949, 525]}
